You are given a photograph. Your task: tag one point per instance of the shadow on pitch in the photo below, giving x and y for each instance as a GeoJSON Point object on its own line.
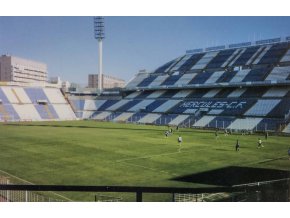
{"type": "Point", "coordinates": [234, 175]}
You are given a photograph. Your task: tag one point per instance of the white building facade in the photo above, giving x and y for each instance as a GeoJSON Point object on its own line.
{"type": "Point", "coordinates": [108, 81]}
{"type": "Point", "coordinates": [15, 69]}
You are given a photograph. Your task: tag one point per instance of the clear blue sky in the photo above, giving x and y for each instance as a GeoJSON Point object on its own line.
{"type": "Point", "coordinates": [68, 47]}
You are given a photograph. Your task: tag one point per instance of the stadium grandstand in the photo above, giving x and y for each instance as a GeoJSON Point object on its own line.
{"type": "Point", "coordinates": [19, 102]}
{"type": "Point", "coordinates": [242, 86]}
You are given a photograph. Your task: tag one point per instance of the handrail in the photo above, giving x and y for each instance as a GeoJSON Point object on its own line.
{"type": "Point", "coordinates": [135, 189]}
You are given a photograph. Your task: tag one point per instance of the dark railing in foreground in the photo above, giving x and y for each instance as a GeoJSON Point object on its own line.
{"type": "Point", "coordinates": [130, 189]}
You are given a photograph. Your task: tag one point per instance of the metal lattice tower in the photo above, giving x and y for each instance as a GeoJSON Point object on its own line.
{"type": "Point", "coordinates": [99, 32]}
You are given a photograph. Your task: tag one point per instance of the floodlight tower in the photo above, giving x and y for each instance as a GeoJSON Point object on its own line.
{"type": "Point", "coordinates": [99, 30]}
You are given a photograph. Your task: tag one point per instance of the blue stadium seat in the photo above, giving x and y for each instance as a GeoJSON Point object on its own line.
{"type": "Point", "coordinates": [107, 104]}
{"type": "Point", "coordinates": [129, 105]}
{"type": "Point", "coordinates": [3, 97]}
{"type": "Point", "coordinates": [274, 54]}
{"type": "Point", "coordinates": [168, 94]}
{"type": "Point", "coordinates": [218, 60]}
{"type": "Point", "coordinates": [281, 109]}
{"type": "Point", "coordinates": [136, 117]}
{"type": "Point", "coordinates": [226, 76]}
{"type": "Point", "coordinates": [12, 113]}
{"type": "Point", "coordinates": [221, 122]}
{"type": "Point", "coordinates": [46, 111]}
{"type": "Point", "coordinates": [201, 78]}
{"type": "Point", "coordinates": [171, 80]}
{"type": "Point", "coordinates": [165, 119]}
{"type": "Point", "coordinates": [151, 107]}
{"type": "Point", "coordinates": [254, 92]}
{"type": "Point", "coordinates": [36, 94]}
{"type": "Point", "coordinates": [147, 81]}
{"type": "Point", "coordinates": [190, 62]}
{"type": "Point", "coordinates": [246, 56]}
{"type": "Point", "coordinates": [257, 75]}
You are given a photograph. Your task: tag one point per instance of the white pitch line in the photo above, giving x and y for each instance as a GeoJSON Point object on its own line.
{"type": "Point", "coordinates": [265, 160]}
{"type": "Point", "coordinates": [23, 180]}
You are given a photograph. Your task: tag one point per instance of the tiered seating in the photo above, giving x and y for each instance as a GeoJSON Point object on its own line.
{"type": "Point", "coordinates": [92, 105]}
{"type": "Point", "coordinates": [169, 94]}
{"type": "Point", "coordinates": [276, 92]}
{"type": "Point", "coordinates": [261, 54]}
{"type": "Point", "coordinates": [117, 105]}
{"type": "Point", "coordinates": [204, 121]}
{"type": "Point", "coordinates": [274, 54]}
{"type": "Point", "coordinates": [237, 92]}
{"type": "Point", "coordinates": [239, 76]}
{"type": "Point", "coordinates": [166, 106]}
{"type": "Point", "coordinates": [132, 95]}
{"type": "Point", "coordinates": [36, 94]}
{"type": "Point", "coordinates": [101, 115]}
{"type": "Point", "coordinates": [185, 79]}
{"type": "Point", "coordinates": [197, 93]}
{"type": "Point", "coordinates": [78, 105]}
{"type": "Point", "coordinates": [226, 77]}
{"type": "Point", "coordinates": [123, 117]}
{"type": "Point", "coordinates": [128, 105]}
{"type": "Point", "coordinates": [178, 120]}
{"type": "Point", "coordinates": [211, 93]}
{"type": "Point", "coordinates": [165, 119]}
{"type": "Point", "coordinates": [27, 112]}
{"type": "Point", "coordinates": [141, 105]}
{"type": "Point", "coordinates": [201, 78]}
{"type": "Point", "coordinates": [279, 73]}
{"type": "Point", "coordinates": [136, 80]}
{"type": "Point", "coordinates": [3, 98]}
{"type": "Point", "coordinates": [281, 109]}
{"type": "Point", "coordinates": [156, 94]}
{"type": "Point", "coordinates": [158, 80]}
{"type": "Point", "coordinates": [147, 81]}
{"type": "Point", "coordinates": [7, 112]}
{"type": "Point", "coordinates": [202, 63]}
{"type": "Point", "coordinates": [270, 124]}
{"type": "Point", "coordinates": [262, 107]}
{"type": "Point", "coordinates": [221, 122]}
{"type": "Point", "coordinates": [219, 59]}
{"type": "Point", "coordinates": [214, 77]}
{"type": "Point", "coordinates": [245, 56]}
{"type": "Point", "coordinates": [107, 104]}
{"type": "Point", "coordinates": [46, 112]}
{"type": "Point", "coordinates": [171, 80]}
{"type": "Point", "coordinates": [256, 75]}
{"type": "Point", "coordinates": [149, 118]}
{"type": "Point", "coordinates": [182, 94]}
{"type": "Point", "coordinates": [254, 92]}
{"type": "Point", "coordinates": [224, 93]}
{"type": "Point", "coordinates": [54, 96]}
{"type": "Point", "coordinates": [136, 117]}
{"type": "Point", "coordinates": [233, 87]}
{"type": "Point", "coordinates": [154, 105]}
{"type": "Point", "coordinates": [287, 129]}
{"type": "Point", "coordinates": [286, 57]}
{"type": "Point", "coordinates": [245, 124]}
{"type": "Point", "coordinates": [64, 111]}
{"type": "Point", "coordinates": [190, 62]}
{"type": "Point", "coordinates": [165, 67]}
{"type": "Point", "coordinates": [35, 104]}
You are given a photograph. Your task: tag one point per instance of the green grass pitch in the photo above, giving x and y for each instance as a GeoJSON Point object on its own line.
{"type": "Point", "coordinates": [99, 153]}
